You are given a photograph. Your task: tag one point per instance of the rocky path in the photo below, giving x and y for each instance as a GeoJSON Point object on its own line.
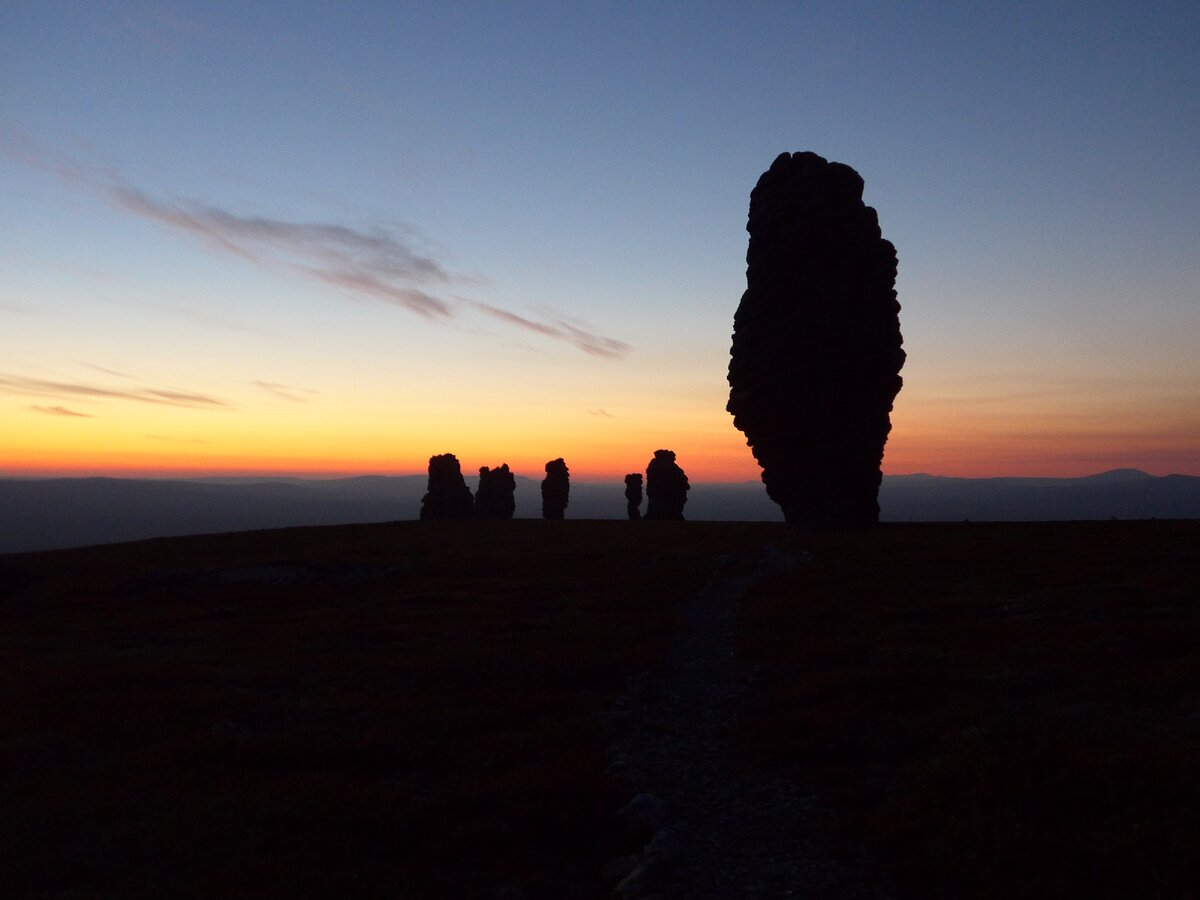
{"type": "Point", "coordinates": [710, 831]}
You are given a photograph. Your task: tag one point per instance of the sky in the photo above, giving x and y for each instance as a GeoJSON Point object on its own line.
{"type": "Point", "coordinates": [313, 238]}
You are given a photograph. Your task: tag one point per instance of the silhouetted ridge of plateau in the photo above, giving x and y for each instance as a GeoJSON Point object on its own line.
{"type": "Point", "coordinates": [38, 514]}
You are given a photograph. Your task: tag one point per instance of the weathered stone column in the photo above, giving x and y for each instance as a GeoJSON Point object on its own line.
{"type": "Point", "coordinates": [816, 343]}
{"type": "Point", "coordinates": [556, 489]}
{"type": "Point", "coordinates": [447, 495]}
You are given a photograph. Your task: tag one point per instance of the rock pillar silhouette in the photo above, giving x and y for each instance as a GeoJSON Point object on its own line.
{"type": "Point", "coordinates": [816, 352]}
{"type": "Point", "coordinates": [556, 489]}
{"type": "Point", "coordinates": [494, 498]}
{"type": "Point", "coordinates": [447, 495]}
{"type": "Point", "coordinates": [633, 496]}
{"type": "Point", "coordinates": [666, 487]}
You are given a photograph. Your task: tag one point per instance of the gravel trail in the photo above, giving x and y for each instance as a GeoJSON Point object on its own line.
{"type": "Point", "coordinates": [711, 831]}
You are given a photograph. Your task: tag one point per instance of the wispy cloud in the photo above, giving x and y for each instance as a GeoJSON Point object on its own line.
{"type": "Point", "coordinates": [376, 264]}
{"type": "Point", "coordinates": [108, 371]}
{"type": "Point", "coordinates": [36, 387]}
{"type": "Point", "coordinates": [604, 413]}
{"type": "Point", "coordinates": [410, 298]}
{"type": "Point", "coordinates": [178, 398]}
{"type": "Point", "coordinates": [286, 392]}
{"type": "Point", "coordinates": [381, 263]}
{"type": "Point", "coordinates": [380, 252]}
{"type": "Point", "coordinates": [60, 411]}
{"type": "Point", "coordinates": [18, 146]}
{"type": "Point", "coordinates": [587, 341]}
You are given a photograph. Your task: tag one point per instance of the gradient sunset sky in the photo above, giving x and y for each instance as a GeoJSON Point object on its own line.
{"type": "Point", "coordinates": [338, 238]}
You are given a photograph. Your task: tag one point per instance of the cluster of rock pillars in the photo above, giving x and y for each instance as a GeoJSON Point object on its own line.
{"type": "Point", "coordinates": [813, 372]}
{"type": "Point", "coordinates": [448, 497]}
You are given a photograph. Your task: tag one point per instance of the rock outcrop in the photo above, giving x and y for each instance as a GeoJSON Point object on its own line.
{"type": "Point", "coordinates": [447, 495]}
{"type": "Point", "coordinates": [633, 496]}
{"type": "Point", "coordinates": [666, 487]}
{"type": "Point", "coordinates": [495, 496]}
{"type": "Point", "coordinates": [556, 489]}
{"type": "Point", "coordinates": [816, 343]}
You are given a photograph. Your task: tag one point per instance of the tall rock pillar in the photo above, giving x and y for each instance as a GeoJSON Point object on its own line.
{"type": "Point", "coordinates": [816, 353]}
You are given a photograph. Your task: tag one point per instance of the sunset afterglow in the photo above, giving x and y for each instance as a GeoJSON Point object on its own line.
{"type": "Point", "coordinates": [301, 241]}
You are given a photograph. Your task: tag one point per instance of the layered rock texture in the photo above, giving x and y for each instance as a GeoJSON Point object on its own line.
{"type": "Point", "coordinates": [495, 498]}
{"type": "Point", "coordinates": [666, 487]}
{"type": "Point", "coordinates": [633, 496]}
{"type": "Point", "coordinates": [447, 495]}
{"type": "Point", "coordinates": [816, 343]}
{"type": "Point", "coordinates": [556, 489]}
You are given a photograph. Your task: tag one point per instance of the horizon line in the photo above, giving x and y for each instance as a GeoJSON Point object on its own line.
{"type": "Point", "coordinates": [584, 478]}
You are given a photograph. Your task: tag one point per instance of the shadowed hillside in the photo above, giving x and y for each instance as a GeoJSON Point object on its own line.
{"type": "Point", "coordinates": [429, 709]}
{"type": "Point", "coordinates": [995, 711]}
{"type": "Point", "coordinates": [406, 710]}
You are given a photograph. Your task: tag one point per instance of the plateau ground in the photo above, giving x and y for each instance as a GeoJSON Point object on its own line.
{"type": "Point", "coordinates": [423, 709]}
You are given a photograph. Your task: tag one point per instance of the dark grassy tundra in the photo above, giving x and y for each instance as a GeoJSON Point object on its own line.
{"type": "Point", "coordinates": [415, 710]}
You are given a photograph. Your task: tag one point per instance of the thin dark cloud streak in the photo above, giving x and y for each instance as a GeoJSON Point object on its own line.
{"type": "Point", "coordinates": [134, 201]}
{"type": "Point", "coordinates": [60, 411]}
{"type": "Point", "coordinates": [182, 398]}
{"type": "Point", "coordinates": [18, 146]}
{"type": "Point", "coordinates": [412, 299]}
{"type": "Point", "coordinates": [587, 341]}
{"type": "Point", "coordinates": [113, 372]}
{"type": "Point", "coordinates": [376, 264]}
{"type": "Point", "coordinates": [20, 385]}
{"type": "Point", "coordinates": [336, 245]}
{"type": "Point", "coordinates": [285, 392]}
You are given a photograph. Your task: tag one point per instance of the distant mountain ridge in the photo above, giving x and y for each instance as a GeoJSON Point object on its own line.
{"type": "Point", "coordinates": [1119, 493]}
{"type": "Point", "coordinates": [40, 514]}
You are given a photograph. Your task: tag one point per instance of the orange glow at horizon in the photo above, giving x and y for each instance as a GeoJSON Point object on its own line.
{"type": "Point", "coordinates": [929, 447]}
{"type": "Point", "coordinates": [594, 449]}
{"type": "Point", "coordinates": [713, 462]}
{"type": "Point", "coordinates": [951, 435]}
{"type": "Point", "coordinates": [1031, 440]}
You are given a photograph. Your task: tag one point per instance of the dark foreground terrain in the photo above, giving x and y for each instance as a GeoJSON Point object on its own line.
{"type": "Point", "coordinates": [995, 711]}
{"type": "Point", "coordinates": [422, 709]}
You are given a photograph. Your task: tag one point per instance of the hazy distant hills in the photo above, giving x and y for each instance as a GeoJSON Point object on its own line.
{"type": "Point", "coordinates": [37, 514]}
{"type": "Point", "coordinates": [1121, 493]}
